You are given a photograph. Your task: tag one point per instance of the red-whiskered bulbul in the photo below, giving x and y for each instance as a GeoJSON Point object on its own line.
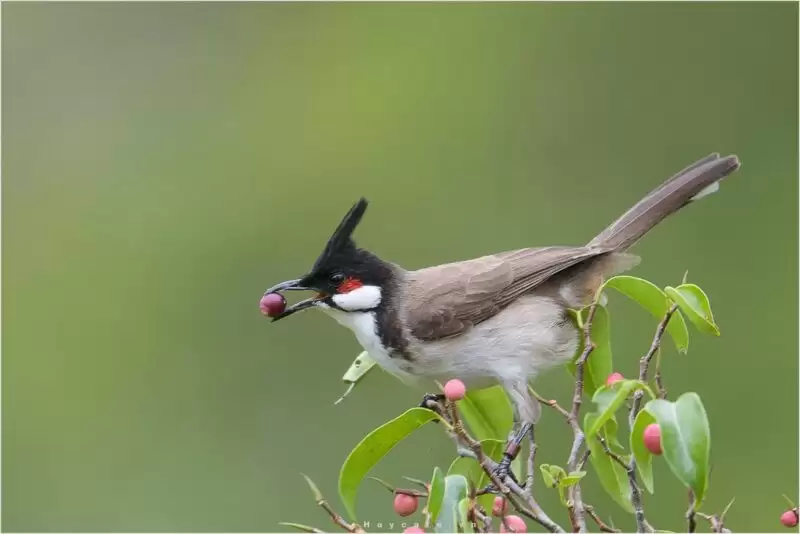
{"type": "Point", "coordinates": [501, 318]}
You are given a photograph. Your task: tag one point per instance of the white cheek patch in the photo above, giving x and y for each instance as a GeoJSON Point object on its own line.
{"type": "Point", "coordinates": [363, 298]}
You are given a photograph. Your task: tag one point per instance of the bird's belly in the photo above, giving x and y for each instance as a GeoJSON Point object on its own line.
{"type": "Point", "coordinates": [529, 336]}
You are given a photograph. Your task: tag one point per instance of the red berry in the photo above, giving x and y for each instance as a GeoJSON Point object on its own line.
{"type": "Point", "coordinates": [515, 522]}
{"type": "Point", "coordinates": [499, 507]}
{"type": "Point", "coordinates": [414, 530]}
{"type": "Point", "coordinates": [614, 378]}
{"type": "Point", "coordinates": [455, 390]}
{"type": "Point", "coordinates": [272, 304]}
{"type": "Point", "coordinates": [789, 518]}
{"type": "Point", "coordinates": [652, 439]}
{"type": "Point", "coordinates": [404, 504]}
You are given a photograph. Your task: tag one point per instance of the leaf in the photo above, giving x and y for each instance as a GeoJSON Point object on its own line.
{"type": "Point", "coordinates": [651, 298]}
{"type": "Point", "coordinates": [612, 476]}
{"type": "Point", "coordinates": [455, 489]}
{"type": "Point", "coordinates": [571, 479]}
{"type": "Point", "coordinates": [644, 458]}
{"type": "Point", "coordinates": [609, 399]}
{"type": "Point", "coordinates": [314, 488]}
{"type": "Point", "coordinates": [360, 366]}
{"type": "Point", "coordinates": [693, 302]}
{"type": "Point", "coordinates": [547, 476]}
{"type": "Point", "coordinates": [473, 472]}
{"type": "Point", "coordinates": [487, 413]}
{"type": "Point", "coordinates": [686, 440]}
{"type": "Point", "coordinates": [436, 494]}
{"type": "Point", "coordinates": [373, 448]}
{"type": "Point", "coordinates": [599, 364]}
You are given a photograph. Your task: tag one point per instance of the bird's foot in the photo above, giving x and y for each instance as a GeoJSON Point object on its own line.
{"type": "Point", "coordinates": [500, 473]}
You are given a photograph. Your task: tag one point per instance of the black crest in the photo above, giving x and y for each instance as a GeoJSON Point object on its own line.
{"type": "Point", "coordinates": [341, 238]}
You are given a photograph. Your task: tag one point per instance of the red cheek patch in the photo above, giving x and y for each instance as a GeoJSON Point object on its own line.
{"type": "Point", "coordinates": [349, 285]}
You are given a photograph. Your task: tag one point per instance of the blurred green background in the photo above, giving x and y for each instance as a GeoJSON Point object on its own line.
{"type": "Point", "coordinates": [165, 163]}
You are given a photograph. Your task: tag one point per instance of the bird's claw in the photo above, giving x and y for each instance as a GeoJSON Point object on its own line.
{"type": "Point", "coordinates": [500, 473]}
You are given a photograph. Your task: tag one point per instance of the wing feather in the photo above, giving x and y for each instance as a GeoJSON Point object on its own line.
{"type": "Point", "coordinates": [449, 299]}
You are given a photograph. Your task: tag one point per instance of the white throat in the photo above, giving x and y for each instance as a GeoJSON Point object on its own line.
{"type": "Point", "coordinates": [360, 299]}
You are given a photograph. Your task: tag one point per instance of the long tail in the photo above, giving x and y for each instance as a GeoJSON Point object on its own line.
{"type": "Point", "coordinates": [694, 182]}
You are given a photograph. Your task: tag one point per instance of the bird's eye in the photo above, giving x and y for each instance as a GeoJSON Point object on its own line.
{"type": "Point", "coordinates": [336, 278]}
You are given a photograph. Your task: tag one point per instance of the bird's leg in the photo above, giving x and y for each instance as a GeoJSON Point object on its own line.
{"type": "Point", "coordinates": [525, 412]}
{"type": "Point", "coordinates": [512, 450]}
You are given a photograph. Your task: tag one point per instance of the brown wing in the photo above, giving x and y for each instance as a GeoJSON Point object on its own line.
{"type": "Point", "coordinates": [448, 299]}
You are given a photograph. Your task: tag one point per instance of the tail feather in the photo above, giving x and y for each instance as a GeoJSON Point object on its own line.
{"type": "Point", "coordinates": [694, 182]}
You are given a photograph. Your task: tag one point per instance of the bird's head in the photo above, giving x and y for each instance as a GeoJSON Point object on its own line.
{"type": "Point", "coordinates": [344, 277]}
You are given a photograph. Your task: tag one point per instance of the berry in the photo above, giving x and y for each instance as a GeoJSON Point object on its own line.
{"type": "Point", "coordinates": [652, 439]}
{"type": "Point", "coordinates": [499, 507]}
{"type": "Point", "coordinates": [272, 304]}
{"type": "Point", "coordinates": [789, 518]}
{"type": "Point", "coordinates": [404, 504]}
{"type": "Point", "coordinates": [613, 378]}
{"type": "Point", "coordinates": [414, 530]}
{"type": "Point", "coordinates": [515, 522]}
{"type": "Point", "coordinates": [455, 390]}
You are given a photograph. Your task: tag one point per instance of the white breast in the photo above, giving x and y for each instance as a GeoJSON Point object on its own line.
{"type": "Point", "coordinates": [365, 328]}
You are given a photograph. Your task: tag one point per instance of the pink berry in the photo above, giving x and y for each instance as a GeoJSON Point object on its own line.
{"type": "Point", "coordinates": [404, 504]}
{"type": "Point", "coordinates": [514, 522]}
{"type": "Point", "coordinates": [272, 304]}
{"type": "Point", "coordinates": [499, 507]}
{"type": "Point", "coordinates": [414, 530]}
{"type": "Point", "coordinates": [789, 518]}
{"type": "Point", "coordinates": [613, 378]}
{"type": "Point", "coordinates": [652, 439]}
{"type": "Point", "coordinates": [455, 390]}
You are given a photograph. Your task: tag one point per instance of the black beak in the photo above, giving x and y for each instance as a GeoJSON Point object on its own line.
{"type": "Point", "coordinates": [292, 285]}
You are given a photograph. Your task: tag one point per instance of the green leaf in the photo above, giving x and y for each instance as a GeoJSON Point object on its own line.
{"type": "Point", "coordinates": [547, 476]}
{"type": "Point", "coordinates": [609, 399]}
{"type": "Point", "coordinates": [487, 413]}
{"type": "Point", "coordinates": [686, 440]}
{"type": "Point", "coordinates": [473, 472]}
{"type": "Point", "coordinates": [463, 512]}
{"type": "Point", "coordinates": [455, 489]}
{"type": "Point", "coordinates": [644, 458]}
{"type": "Point", "coordinates": [374, 447]}
{"type": "Point", "coordinates": [693, 302]}
{"type": "Point", "coordinates": [651, 298]}
{"type": "Point", "coordinates": [612, 476]}
{"type": "Point", "coordinates": [360, 366]}
{"type": "Point", "coordinates": [571, 479]}
{"type": "Point", "coordinates": [599, 364]}
{"type": "Point", "coordinates": [436, 494]}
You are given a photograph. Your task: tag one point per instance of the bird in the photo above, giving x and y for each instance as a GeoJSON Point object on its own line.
{"type": "Point", "coordinates": [502, 318]}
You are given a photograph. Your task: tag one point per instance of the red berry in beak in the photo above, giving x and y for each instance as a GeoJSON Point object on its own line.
{"type": "Point", "coordinates": [272, 304]}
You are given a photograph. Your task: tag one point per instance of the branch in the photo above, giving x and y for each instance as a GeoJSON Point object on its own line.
{"type": "Point", "coordinates": [603, 527]}
{"type": "Point", "coordinates": [335, 517]}
{"type": "Point", "coordinates": [574, 492]}
{"type": "Point", "coordinates": [510, 489]}
{"type": "Point", "coordinates": [636, 494]}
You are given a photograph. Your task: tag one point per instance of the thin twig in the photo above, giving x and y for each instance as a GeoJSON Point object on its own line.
{"type": "Point", "coordinates": [531, 465]}
{"type": "Point", "coordinates": [596, 518]}
{"type": "Point", "coordinates": [691, 512]}
{"type": "Point", "coordinates": [549, 402]}
{"type": "Point", "coordinates": [644, 362]}
{"type": "Point", "coordinates": [636, 494]}
{"type": "Point", "coordinates": [339, 520]}
{"type": "Point", "coordinates": [717, 522]}
{"type": "Point", "coordinates": [574, 492]}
